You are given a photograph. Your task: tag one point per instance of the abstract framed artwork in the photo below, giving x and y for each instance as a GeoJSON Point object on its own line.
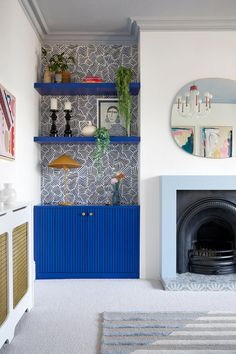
{"type": "Point", "coordinates": [7, 124]}
{"type": "Point", "coordinates": [108, 116]}
{"type": "Point", "coordinates": [184, 137]}
{"type": "Point", "coordinates": [217, 142]}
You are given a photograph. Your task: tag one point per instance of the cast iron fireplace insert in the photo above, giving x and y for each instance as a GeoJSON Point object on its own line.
{"type": "Point", "coordinates": [206, 235]}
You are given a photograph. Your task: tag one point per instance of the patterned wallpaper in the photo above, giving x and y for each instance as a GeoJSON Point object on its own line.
{"type": "Point", "coordinates": [85, 186]}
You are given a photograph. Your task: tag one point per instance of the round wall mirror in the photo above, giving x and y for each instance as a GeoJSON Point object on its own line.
{"type": "Point", "coordinates": [203, 118]}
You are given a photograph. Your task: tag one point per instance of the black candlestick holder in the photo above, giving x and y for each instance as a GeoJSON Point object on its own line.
{"type": "Point", "coordinates": [67, 131]}
{"type": "Point", "coordinates": [53, 131]}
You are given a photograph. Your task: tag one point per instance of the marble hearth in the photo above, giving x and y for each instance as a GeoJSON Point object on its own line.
{"type": "Point", "coordinates": [171, 280]}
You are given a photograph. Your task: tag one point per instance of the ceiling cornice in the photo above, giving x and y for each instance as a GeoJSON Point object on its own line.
{"type": "Point", "coordinates": [37, 20]}
{"type": "Point", "coordinates": [130, 36]}
{"type": "Point", "coordinates": [89, 38]}
{"type": "Point", "coordinates": [185, 24]}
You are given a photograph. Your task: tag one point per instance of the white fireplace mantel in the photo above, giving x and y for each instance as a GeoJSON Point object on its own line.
{"type": "Point", "coordinates": [169, 187]}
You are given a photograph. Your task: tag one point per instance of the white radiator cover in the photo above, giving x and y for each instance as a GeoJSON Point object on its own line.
{"type": "Point", "coordinates": [10, 218]}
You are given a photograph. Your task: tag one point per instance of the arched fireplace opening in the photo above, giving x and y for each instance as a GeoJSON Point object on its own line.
{"type": "Point", "coordinates": [206, 237]}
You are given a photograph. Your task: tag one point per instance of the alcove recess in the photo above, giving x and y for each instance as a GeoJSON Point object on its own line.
{"type": "Point", "coordinates": [83, 184]}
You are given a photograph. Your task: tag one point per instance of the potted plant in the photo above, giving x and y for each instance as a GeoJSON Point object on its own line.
{"type": "Point", "coordinates": [123, 79]}
{"type": "Point", "coordinates": [59, 64]}
{"type": "Point", "coordinates": [102, 142]}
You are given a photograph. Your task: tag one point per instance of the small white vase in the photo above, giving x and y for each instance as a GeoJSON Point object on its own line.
{"type": "Point", "coordinates": [58, 77]}
{"type": "Point", "coordinates": [9, 194]}
{"type": "Point", "coordinates": [89, 130]}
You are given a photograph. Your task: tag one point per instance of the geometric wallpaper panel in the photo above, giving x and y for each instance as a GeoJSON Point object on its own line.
{"type": "Point", "coordinates": [98, 60]}
{"type": "Point", "coordinates": [84, 186]}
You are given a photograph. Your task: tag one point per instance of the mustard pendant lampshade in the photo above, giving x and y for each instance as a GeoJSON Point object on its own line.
{"type": "Point", "coordinates": [65, 162]}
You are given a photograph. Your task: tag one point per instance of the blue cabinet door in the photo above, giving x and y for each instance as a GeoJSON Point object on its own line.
{"type": "Point", "coordinates": [86, 241]}
{"type": "Point", "coordinates": [113, 241]}
{"type": "Point", "coordinates": [60, 241]}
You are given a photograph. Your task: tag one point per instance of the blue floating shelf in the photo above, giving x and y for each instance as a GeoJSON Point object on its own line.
{"type": "Point", "coordinates": [80, 88]}
{"type": "Point", "coordinates": [85, 140]}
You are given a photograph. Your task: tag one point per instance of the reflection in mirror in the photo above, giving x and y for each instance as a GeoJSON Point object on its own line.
{"type": "Point", "coordinates": [203, 118]}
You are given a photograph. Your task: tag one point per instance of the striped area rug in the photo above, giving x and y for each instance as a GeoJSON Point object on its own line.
{"type": "Point", "coordinates": [169, 332]}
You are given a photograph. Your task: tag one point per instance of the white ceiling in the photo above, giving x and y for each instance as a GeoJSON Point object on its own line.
{"type": "Point", "coordinates": [118, 20]}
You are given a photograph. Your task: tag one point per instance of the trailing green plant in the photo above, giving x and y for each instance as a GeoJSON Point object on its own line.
{"type": "Point", "coordinates": [123, 79]}
{"type": "Point", "coordinates": [58, 62]}
{"type": "Point", "coordinates": [102, 142]}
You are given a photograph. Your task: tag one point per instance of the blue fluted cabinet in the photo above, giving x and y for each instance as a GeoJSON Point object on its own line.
{"type": "Point", "coordinates": [86, 241]}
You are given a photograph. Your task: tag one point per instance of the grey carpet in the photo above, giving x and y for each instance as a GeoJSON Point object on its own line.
{"type": "Point", "coordinates": [169, 332]}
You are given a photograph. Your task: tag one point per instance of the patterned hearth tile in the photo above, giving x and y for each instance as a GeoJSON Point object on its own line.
{"type": "Point", "coordinates": [200, 282]}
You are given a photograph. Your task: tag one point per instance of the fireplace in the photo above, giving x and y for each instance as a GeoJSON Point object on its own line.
{"type": "Point", "coordinates": [206, 232]}
{"type": "Point", "coordinates": [198, 233]}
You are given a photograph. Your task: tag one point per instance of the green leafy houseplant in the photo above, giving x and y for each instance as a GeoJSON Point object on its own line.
{"type": "Point", "coordinates": [102, 142]}
{"type": "Point", "coordinates": [123, 79]}
{"type": "Point", "coordinates": [58, 62]}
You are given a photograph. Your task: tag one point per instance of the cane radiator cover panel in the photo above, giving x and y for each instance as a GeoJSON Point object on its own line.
{"type": "Point", "coordinates": [20, 262]}
{"type": "Point", "coordinates": [3, 278]}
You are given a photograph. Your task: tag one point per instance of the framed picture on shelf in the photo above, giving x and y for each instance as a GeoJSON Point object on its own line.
{"type": "Point", "coordinates": [7, 124]}
{"type": "Point", "coordinates": [108, 116]}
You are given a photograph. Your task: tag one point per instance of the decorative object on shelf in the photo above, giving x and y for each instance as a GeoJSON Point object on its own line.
{"type": "Point", "coordinates": [59, 64]}
{"type": "Point", "coordinates": [66, 76]}
{"type": "Point", "coordinates": [67, 106]}
{"type": "Point", "coordinates": [92, 79]}
{"type": "Point", "coordinates": [123, 80]}
{"type": "Point", "coordinates": [53, 110]}
{"type": "Point", "coordinates": [67, 110]}
{"type": "Point", "coordinates": [108, 116]}
{"type": "Point", "coordinates": [115, 182]}
{"type": "Point", "coordinates": [53, 105]}
{"type": "Point", "coordinates": [191, 105]}
{"type": "Point", "coordinates": [47, 76]}
{"type": "Point", "coordinates": [8, 194]}
{"type": "Point", "coordinates": [217, 142]}
{"type": "Point", "coordinates": [53, 130]}
{"type": "Point", "coordinates": [89, 130]}
{"type": "Point", "coordinates": [7, 124]}
{"type": "Point", "coordinates": [102, 142]}
{"type": "Point", "coordinates": [65, 162]}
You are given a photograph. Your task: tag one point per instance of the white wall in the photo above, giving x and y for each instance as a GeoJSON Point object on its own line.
{"type": "Point", "coordinates": [20, 51]}
{"type": "Point", "coordinates": [169, 60]}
